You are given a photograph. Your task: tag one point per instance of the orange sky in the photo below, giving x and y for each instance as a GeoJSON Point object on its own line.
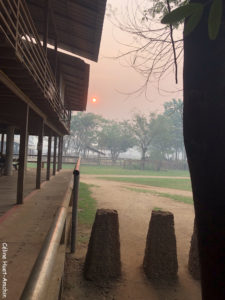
{"type": "Point", "coordinates": [109, 79]}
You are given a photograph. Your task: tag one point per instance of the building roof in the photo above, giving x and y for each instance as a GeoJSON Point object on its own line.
{"type": "Point", "coordinates": [75, 73]}
{"type": "Point", "coordinates": [77, 23]}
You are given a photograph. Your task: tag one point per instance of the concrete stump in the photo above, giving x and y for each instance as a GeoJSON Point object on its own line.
{"type": "Point", "coordinates": [102, 261]}
{"type": "Point", "coordinates": [193, 261]}
{"type": "Point", "coordinates": [160, 260]}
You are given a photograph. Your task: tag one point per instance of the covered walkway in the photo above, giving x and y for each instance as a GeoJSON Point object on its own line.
{"type": "Point", "coordinates": [8, 188]}
{"type": "Point", "coordinates": [24, 228]}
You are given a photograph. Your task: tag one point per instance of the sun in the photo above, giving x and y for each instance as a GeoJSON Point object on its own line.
{"type": "Point", "coordinates": [94, 100]}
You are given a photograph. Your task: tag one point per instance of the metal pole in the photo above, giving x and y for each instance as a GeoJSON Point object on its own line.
{"type": "Point", "coordinates": [76, 174]}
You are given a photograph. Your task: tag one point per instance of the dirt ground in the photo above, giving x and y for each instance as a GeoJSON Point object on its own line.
{"type": "Point", "coordinates": [134, 214]}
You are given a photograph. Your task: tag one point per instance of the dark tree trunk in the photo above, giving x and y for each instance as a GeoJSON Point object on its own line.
{"type": "Point", "coordinates": [204, 136]}
{"type": "Point", "coordinates": [143, 158]}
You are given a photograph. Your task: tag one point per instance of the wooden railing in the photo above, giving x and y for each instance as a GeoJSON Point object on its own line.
{"type": "Point", "coordinates": [18, 27]}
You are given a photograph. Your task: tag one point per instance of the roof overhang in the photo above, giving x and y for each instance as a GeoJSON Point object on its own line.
{"type": "Point", "coordinates": [77, 24]}
{"type": "Point", "coordinates": [75, 73]}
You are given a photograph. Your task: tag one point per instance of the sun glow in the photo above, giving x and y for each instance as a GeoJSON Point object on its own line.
{"type": "Point", "coordinates": [94, 100]}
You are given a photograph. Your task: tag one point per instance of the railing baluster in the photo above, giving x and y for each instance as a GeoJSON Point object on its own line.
{"type": "Point", "coordinates": [17, 24]}
{"type": "Point", "coordinates": [20, 31]}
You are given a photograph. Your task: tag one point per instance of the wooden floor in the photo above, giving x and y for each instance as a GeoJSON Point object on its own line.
{"type": "Point", "coordinates": [24, 228]}
{"type": "Point", "coordinates": [8, 188]}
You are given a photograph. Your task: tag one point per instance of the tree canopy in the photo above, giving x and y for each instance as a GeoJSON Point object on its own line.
{"type": "Point", "coordinates": [158, 137]}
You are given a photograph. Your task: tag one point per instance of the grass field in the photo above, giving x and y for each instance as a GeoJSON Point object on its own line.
{"type": "Point", "coordinates": [116, 170]}
{"type": "Point", "coordinates": [179, 198]}
{"type": "Point", "coordinates": [86, 205]}
{"type": "Point", "coordinates": [172, 183]}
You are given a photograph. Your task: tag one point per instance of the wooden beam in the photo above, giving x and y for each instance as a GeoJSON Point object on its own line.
{"type": "Point", "coordinates": [49, 158]}
{"type": "Point", "coordinates": [39, 155]}
{"type": "Point", "coordinates": [22, 156]}
{"type": "Point", "coordinates": [54, 156]}
{"type": "Point", "coordinates": [18, 92]}
{"type": "Point", "coordinates": [2, 143]}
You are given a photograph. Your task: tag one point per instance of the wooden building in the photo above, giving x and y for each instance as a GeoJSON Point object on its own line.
{"type": "Point", "coordinates": [40, 85]}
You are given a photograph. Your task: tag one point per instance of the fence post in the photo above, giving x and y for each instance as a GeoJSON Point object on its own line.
{"type": "Point", "coordinates": [76, 179]}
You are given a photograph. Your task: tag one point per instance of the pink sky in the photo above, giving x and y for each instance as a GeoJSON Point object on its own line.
{"type": "Point", "coordinates": [109, 79]}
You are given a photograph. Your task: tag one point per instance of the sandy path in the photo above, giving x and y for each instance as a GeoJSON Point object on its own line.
{"type": "Point", "coordinates": [134, 214]}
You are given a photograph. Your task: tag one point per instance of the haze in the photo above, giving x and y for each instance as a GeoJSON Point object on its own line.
{"type": "Point", "coordinates": [112, 81]}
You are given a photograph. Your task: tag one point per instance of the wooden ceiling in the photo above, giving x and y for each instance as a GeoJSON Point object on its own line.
{"type": "Point", "coordinates": [75, 73]}
{"type": "Point", "coordinates": [77, 23]}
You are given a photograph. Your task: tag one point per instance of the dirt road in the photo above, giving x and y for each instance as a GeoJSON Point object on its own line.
{"type": "Point", "coordinates": [134, 210]}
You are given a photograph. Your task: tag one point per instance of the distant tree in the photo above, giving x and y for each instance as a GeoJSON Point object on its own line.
{"type": "Point", "coordinates": [116, 137]}
{"type": "Point", "coordinates": [85, 128]}
{"type": "Point", "coordinates": [143, 130]}
{"type": "Point", "coordinates": [162, 141]}
{"type": "Point", "coordinates": [174, 112]}
{"type": "Point", "coordinates": [68, 145]}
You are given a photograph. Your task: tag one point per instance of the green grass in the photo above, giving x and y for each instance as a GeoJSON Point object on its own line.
{"type": "Point", "coordinates": [31, 165]}
{"type": "Point", "coordinates": [116, 170]}
{"type": "Point", "coordinates": [157, 208]}
{"type": "Point", "coordinates": [86, 205]}
{"type": "Point", "coordinates": [172, 183]}
{"type": "Point", "coordinates": [179, 198]}
{"type": "Point", "coordinates": [64, 166]}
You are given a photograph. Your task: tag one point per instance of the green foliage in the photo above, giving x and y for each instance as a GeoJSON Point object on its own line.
{"type": "Point", "coordinates": [173, 110]}
{"type": "Point", "coordinates": [116, 137]}
{"type": "Point", "coordinates": [193, 12]}
{"type": "Point", "coordinates": [181, 12]}
{"type": "Point", "coordinates": [215, 17]}
{"type": "Point", "coordinates": [163, 139]}
{"type": "Point", "coordinates": [161, 7]}
{"type": "Point", "coordinates": [194, 19]}
{"type": "Point", "coordinates": [84, 132]}
{"type": "Point", "coordinates": [143, 130]}
{"type": "Point", "coordinates": [85, 127]}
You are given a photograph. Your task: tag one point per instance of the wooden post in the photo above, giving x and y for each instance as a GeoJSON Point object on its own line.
{"type": "Point", "coordinates": [54, 155]}
{"type": "Point", "coordinates": [22, 156]}
{"type": "Point", "coordinates": [46, 22]}
{"type": "Point", "coordinates": [2, 143]}
{"type": "Point", "coordinates": [59, 147]}
{"type": "Point", "coordinates": [49, 157]}
{"type": "Point", "coordinates": [56, 59]}
{"type": "Point", "coordinates": [39, 155]}
{"type": "Point", "coordinates": [9, 150]}
{"type": "Point", "coordinates": [61, 152]}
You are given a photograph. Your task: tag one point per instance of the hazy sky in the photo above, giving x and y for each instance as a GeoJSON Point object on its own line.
{"type": "Point", "coordinates": [110, 80]}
